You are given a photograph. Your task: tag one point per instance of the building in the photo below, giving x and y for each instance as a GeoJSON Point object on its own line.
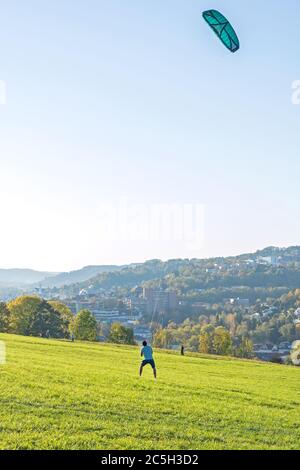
{"type": "Point", "coordinates": [159, 300]}
{"type": "Point", "coordinates": [136, 303]}
{"type": "Point", "coordinates": [297, 313]}
{"type": "Point", "coordinates": [245, 303]}
{"type": "Point", "coordinates": [268, 260]}
{"type": "Point", "coordinates": [114, 316]}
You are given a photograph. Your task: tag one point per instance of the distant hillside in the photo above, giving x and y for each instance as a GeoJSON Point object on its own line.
{"type": "Point", "coordinates": [188, 277]}
{"type": "Point", "coordinates": [74, 277]}
{"type": "Point", "coordinates": [135, 274]}
{"type": "Point", "coordinates": [180, 274]}
{"type": "Point", "coordinates": [22, 277]}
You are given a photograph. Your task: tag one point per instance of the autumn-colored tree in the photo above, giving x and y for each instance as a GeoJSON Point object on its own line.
{"type": "Point", "coordinates": [119, 334]}
{"type": "Point", "coordinates": [33, 316]}
{"type": "Point", "coordinates": [222, 342]}
{"type": "Point", "coordinates": [163, 338]}
{"type": "Point", "coordinates": [22, 311]}
{"type": "Point", "coordinates": [205, 343]}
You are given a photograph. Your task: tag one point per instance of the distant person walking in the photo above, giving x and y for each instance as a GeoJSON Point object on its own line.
{"type": "Point", "coordinates": [182, 350]}
{"type": "Point", "coordinates": [147, 354]}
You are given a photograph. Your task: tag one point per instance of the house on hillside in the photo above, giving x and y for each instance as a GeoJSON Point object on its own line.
{"type": "Point", "coordinates": [297, 313]}
{"type": "Point", "coordinates": [244, 303]}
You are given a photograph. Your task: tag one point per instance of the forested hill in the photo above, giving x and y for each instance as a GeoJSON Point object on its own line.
{"type": "Point", "coordinates": [22, 277]}
{"type": "Point", "coordinates": [270, 268]}
{"type": "Point", "coordinates": [80, 275]}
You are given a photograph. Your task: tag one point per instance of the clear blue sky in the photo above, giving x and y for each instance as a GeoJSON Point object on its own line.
{"type": "Point", "coordinates": [138, 99]}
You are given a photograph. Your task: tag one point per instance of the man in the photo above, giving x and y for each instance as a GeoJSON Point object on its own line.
{"type": "Point", "coordinates": [182, 350]}
{"type": "Point", "coordinates": [147, 354]}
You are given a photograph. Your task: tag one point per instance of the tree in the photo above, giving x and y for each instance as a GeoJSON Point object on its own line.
{"type": "Point", "coordinates": [32, 316]}
{"type": "Point", "coordinates": [288, 332]}
{"type": "Point", "coordinates": [245, 350]}
{"type": "Point", "coordinates": [103, 329]}
{"type": "Point", "coordinates": [295, 354]}
{"type": "Point", "coordinates": [193, 343]}
{"type": "Point", "coordinates": [222, 341]}
{"type": "Point", "coordinates": [85, 326]}
{"type": "Point", "coordinates": [4, 318]}
{"type": "Point", "coordinates": [205, 343]}
{"type": "Point", "coordinates": [22, 311]}
{"type": "Point", "coordinates": [242, 330]}
{"type": "Point", "coordinates": [232, 323]}
{"type": "Point", "coordinates": [209, 329]}
{"type": "Point", "coordinates": [66, 315]}
{"type": "Point", "coordinates": [163, 338]}
{"type": "Point", "coordinates": [119, 334]}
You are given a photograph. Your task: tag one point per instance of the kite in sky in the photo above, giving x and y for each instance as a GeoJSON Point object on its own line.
{"type": "Point", "coordinates": [223, 29]}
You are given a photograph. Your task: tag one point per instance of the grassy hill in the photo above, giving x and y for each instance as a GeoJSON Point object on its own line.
{"type": "Point", "coordinates": [58, 395]}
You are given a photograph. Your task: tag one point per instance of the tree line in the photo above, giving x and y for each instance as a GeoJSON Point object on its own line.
{"type": "Point", "coordinates": [33, 316]}
{"type": "Point", "coordinates": [203, 338]}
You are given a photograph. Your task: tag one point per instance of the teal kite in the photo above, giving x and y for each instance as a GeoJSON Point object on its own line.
{"type": "Point", "coordinates": [223, 29]}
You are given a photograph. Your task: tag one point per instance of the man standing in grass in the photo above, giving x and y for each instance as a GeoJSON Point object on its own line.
{"type": "Point", "coordinates": [147, 354]}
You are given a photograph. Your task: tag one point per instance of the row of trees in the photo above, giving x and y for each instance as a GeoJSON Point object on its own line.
{"type": "Point", "coordinates": [204, 339]}
{"type": "Point", "coordinates": [276, 326]}
{"type": "Point", "coordinates": [86, 328]}
{"type": "Point", "coordinates": [33, 316]}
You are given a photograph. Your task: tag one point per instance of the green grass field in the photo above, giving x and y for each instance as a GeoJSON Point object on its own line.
{"type": "Point", "coordinates": [58, 395]}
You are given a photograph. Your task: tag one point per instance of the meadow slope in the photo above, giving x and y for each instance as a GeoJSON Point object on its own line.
{"type": "Point", "coordinates": [58, 395]}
